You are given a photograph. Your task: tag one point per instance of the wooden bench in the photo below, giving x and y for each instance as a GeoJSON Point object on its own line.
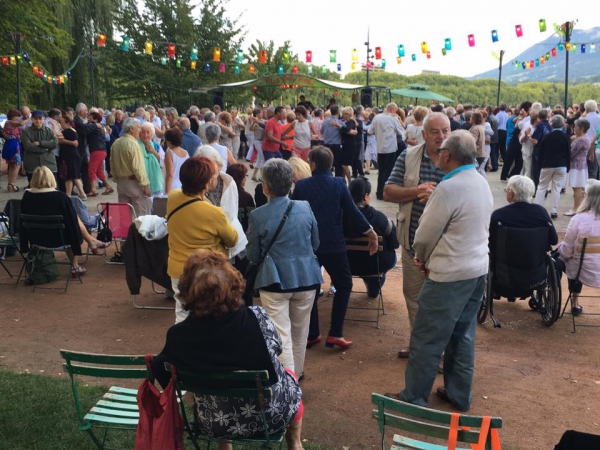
{"type": "Point", "coordinates": [435, 424]}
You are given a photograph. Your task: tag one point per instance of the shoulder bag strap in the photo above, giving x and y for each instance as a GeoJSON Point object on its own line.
{"type": "Point", "coordinates": [283, 220]}
{"type": "Point", "coordinates": [194, 200]}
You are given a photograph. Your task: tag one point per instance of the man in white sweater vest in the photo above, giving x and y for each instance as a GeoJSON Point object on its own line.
{"type": "Point", "coordinates": [451, 249]}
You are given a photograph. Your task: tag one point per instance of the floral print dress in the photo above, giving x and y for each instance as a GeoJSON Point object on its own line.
{"type": "Point", "coordinates": [241, 418]}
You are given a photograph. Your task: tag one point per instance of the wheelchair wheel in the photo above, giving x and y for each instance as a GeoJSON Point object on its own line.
{"type": "Point", "coordinates": [484, 309]}
{"type": "Point", "coordinates": [549, 296]}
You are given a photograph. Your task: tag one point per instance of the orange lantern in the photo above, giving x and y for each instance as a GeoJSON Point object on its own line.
{"type": "Point", "coordinates": [262, 57]}
{"type": "Point", "coordinates": [217, 55]}
{"type": "Point", "coordinates": [251, 69]}
{"type": "Point", "coordinates": [102, 40]}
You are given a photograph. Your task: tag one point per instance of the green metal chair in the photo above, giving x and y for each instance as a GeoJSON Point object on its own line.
{"type": "Point", "coordinates": [117, 409]}
{"type": "Point", "coordinates": [246, 384]}
{"type": "Point", "coordinates": [434, 424]}
{"type": "Point", "coordinates": [8, 239]}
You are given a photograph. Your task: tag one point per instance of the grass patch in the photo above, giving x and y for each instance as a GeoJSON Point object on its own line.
{"type": "Point", "coordinates": [38, 412]}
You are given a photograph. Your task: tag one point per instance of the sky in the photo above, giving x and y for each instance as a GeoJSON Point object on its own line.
{"type": "Point", "coordinates": [321, 26]}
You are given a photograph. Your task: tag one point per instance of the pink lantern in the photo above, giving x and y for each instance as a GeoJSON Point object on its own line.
{"type": "Point", "coordinates": [519, 30]}
{"type": "Point", "coordinates": [222, 67]}
{"type": "Point", "coordinates": [471, 40]}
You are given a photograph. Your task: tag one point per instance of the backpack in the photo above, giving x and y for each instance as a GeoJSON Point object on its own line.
{"type": "Point", "coordinates": [41, 267]}
{"type": "Point", "coordinates": [10, 149]}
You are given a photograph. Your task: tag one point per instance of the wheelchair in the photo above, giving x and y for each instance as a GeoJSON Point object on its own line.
{"type": "Point", "coordinates": [521, 267]}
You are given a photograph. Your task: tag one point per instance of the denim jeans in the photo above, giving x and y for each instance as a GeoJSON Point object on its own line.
{"type": "Point", "coordinates": [445, 324]}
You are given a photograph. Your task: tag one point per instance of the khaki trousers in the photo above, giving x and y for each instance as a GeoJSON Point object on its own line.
{"type": "Point", "coordinates": [130, 191]}
{"type": "Point", "coordinates": [412, 281]}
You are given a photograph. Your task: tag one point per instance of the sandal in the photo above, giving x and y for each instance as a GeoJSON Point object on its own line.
{"type": "Point", "coordinates": [92, 194]}
{"type": "Point", "coordinates": [78, 271]}
{"type": "Point", "coordinates": [12, 188]}
{"type": "Point", "coordinates": [108, 191]}
{"type": "Point", "coordinates": [99, 245]}
{"type": "Point", "coordinates": [83, 198]}
{"type": "Point", "coordinates": [117, 258]}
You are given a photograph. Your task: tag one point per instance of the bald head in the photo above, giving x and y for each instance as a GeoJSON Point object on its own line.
{"type": "Point", "coordinates": [391, 108]}
{"type": "Point", "coordinates": [436, 128]}
{"type": "Point", "coordinates": [184, 123]}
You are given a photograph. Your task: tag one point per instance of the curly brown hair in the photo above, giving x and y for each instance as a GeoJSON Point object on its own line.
{"type": "Point", "coordinates": [210, 285]}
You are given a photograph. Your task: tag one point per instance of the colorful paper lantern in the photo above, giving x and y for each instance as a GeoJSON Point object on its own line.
{"type": "Point", "coordinates": [401, 51]}
{"type": "Point", "coordinates": [286, 56]}
{"type": "Point", "coordinates": [428, 55]}
{"type": "Point", "coordinates": [26, 57]}
{"type": "Point", "coordinates": [216, 54]}
{"type": "Point", "coordinates": [369, 65]}
{"type": "Point", "coordinates": [525, 65]}
{"type": "Point", "coordinates": [194, 53]}
{"type": "Point", "coordinates": [4, 61]}
{"type": "Point", "coordinates": [40, 73]}
{"type": "Point", "coordinates": [593, 48]}
{"type": "Point", "coordinates": [309, 70]}
{"type": "Point", "coordinates": [447, 44]}
{"type": "Point", "coordinates": [309, 56]}
{"type": "Point", "coordinates": [542, 25]}
{"type": "Point", "coordinates": [295, 69]}
{"type": "Point", "coordinates": [353, 66]}
{"type": "Point", "coordinates": [171, 50]}
{"type": "Point", "coordinates": [163, 60]}
{"type": "Point", "coordinates": [519, 30]}
{"type": "Point", "coordinates": [323, 69]}
{"type": "Point", "coordinates": [573, 48]}
{"type": "Point", "coordinates": [568, 46]}
{"type": "Point", "coordinates": [531, 64]}
{"type": "Point", "coordinates": [193, 65]}
{"type": "Point", "coordinates": [424, 48]}
{"type": "Point", "coordinates": [59, 80]}
{"type": "Point", "coordinates": [207, 67]}
{"type": "Point", "coordinates": [542, 61]}
{"type": "Point", "coordinates": [251, 69]}
{"type": "Point", "coordinates": [354, 54]}
{"type": "Point", "coordinates": [332, 56]}
{"type": "Point", "coordinates": [583, 48]}
{"type": "Point", "coordinates": [13, 61]}
{"type": "Point", "coordinates": [547, 56]}
{"type": "Point", "coordinates": [377, 52]}
{"type": "Point", "coordinates": [69, 75]}
{"type": "Point", "coordinates": [280, 70]}
{"type": "Point", "coordinates": [236, 69]}
{"type": "Point", "coordinates": [494, 36]}
{"type": "Point", "coordinates": [44, 77]}
{"type": "Point", "coordinates": [125, 44]}
{"type": "Point", "coordinates": [240, 55]}
{"type": "Point", "coordinates": [444, 51]}
{"type": "Point", "coordinates": [471, 38]}
{"type": "Point", "coordinates": [178, 63]}
{"type": "Point", "coordinates": [339, 67]}
{"type": "Point", "coordinates": [398, 60]}
{"type": "Point", "coordinates": [53, 80]}
{"type": "Point", "coordinates": [262, 57]}
{"type": "Point", "coordinates": [383, 63]}
{"type": "Point", "coordinates": [414, 57]}
{"type": "Point", "coordinates": [537, 62]}
{"type": "Point", "coordinates": [222, 67]}
{"type": "Point", "coordinates": [102, 40]}
{"type": "Point", "coordinates": [148, 47]}
{"type": "Point", "coordinates": [35, 70]}
{"type": "Point", "coordinates": [554, 52]}
{"type": "Point", "coordinates": [517, 65]}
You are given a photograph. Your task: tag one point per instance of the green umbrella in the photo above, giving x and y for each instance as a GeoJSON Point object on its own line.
{"type": "Point", "coordinates": [418, 91]}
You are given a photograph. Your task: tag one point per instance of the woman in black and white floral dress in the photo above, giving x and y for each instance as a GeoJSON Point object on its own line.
{"type": "Point", "coordinates": [220, 334]}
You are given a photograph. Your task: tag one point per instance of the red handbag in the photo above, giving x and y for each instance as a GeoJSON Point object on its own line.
{"type": "Point", "coordinates": [160, 426]}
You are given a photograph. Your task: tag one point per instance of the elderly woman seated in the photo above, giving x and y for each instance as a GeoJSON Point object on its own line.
{"type": "Point", "coordinates": [221, 335]}
{"type": "Point", "coordinates": [43, 199]}
{"type": "Point", "coordinates": [361, 262]}
{"type": "Point", "coordinates": [585, 224]}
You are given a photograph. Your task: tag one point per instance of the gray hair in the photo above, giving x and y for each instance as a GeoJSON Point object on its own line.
{"type": "Point", "coordinates": [140, 111]}
{"type": "Point", "coordinates": [450, 112]}
{"type": "Point", "coordinates": [184, 123]}
{"type": "Point", "coordinates": [537, 106]}
{"type": "Point", "coordinates": [591, 201]}
{"type": "Point", "coordinates": [194, 110]}
{"type": "Point", "coordinates": [591, 106]}
{"type": "Point", "coordinates": [129, 123]}
{"type": "Point", "coordinates": [277, 174]}
{"type": "Point", "coordinates": [210, 153]}
{"type": "Point", "coordinates": [434, 115]}
{"type": "Point", "coordinates": [212, 132]}
{"type": "Point", "coordinates": [522, 187]}
{"type": "Point", "coordinates": [557, 121]}
{"type": "Point", "coordinates": [391, 106]}
{"type": "Point", "coordinates": [460, 145]}
{"type": "Point", "coordinates": [150, 108]}
{"type": "Point", "coordinates": [208, 116]}
{"type": "Point", "coordinates": [148, 125]}
{"type": "Point", "coordinates": [80, 107]}
{"type": "Point", "coordinates": [172, 111]}
{"type": "Point", "coordinates": [584, 124]}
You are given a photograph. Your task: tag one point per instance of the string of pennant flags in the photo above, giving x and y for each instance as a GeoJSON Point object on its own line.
{"type": "Point", "coordinates": [171, 56]}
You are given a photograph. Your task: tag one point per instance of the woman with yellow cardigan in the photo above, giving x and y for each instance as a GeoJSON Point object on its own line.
{"type": "Point", "coordinates": [194, 222]}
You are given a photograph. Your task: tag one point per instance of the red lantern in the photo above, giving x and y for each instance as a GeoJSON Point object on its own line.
{"type": "Point", "coordinates": [295, 69]}
{"type": "Point", "coordinates": [554, 52]}
{"type": "Point", "coordinates": [428, 55]}
{"type": "Point", "coordinates": [41, 73]}
{"type": "Point", "coordinates": [377, 52]}
{"type": "Point", "coordinates": [532, 64]}
{"type": "Point", "coordinates": [171, 50]}
{"type": "Point", "coordinates": [262, 58]}
{"type": "Point", "coordinates": [102, 40]}
{"type": "Point", "coordinates": [309, 56]}
{"type": "Point", "coordinates": [4, 61]}
{"type": "Point", "coordinates": [336, 93]}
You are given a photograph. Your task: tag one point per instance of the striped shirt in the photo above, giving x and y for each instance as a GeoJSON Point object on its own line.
{"type": "Point", "coordinates": [429, 172]}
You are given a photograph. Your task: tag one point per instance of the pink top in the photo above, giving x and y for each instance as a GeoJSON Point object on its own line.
{"type": "Point", "coordinates": [579, 152]}
{"type": "Point", "coordinates": [582, 225]}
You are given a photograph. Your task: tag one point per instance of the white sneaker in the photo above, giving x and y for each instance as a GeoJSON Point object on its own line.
{"type": "Point", "coordinates": [569, 213]}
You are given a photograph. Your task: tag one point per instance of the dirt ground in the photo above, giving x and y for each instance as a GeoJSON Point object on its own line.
{"type": "Point", "coordinates": [541, 381]}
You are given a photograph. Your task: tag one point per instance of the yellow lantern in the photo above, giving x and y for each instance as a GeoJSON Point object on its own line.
{"type": "Point", "coordinates": [424, 48]}
{"type": "Point", "coordinates": [193, 65]}
{"type": "Point", "coordinates": [217, 55]}
{"type": "Point", "coordinates": [354, 54]}
{"type": "Point", "coordinates": [148, 47]}
{"type": "Point", "coordinates": [13, 61]}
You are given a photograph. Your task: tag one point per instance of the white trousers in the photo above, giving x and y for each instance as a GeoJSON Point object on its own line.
{"type": "Point", "coordinates": [555, 175]}
{"type": "Point", "coordinates": [180, 313]}
{"type": "Point", "coordinates": [290, 313]}
{"type": "Point", "coordinates": [527, 165]}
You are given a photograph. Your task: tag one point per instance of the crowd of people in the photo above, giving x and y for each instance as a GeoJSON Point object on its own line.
{"type": "Point", "coordinates": [310, 163]}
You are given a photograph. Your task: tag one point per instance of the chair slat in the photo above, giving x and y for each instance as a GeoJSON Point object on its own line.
{"type": "Point", "coordinates": [105, 372]}
{"type": "Point", "coordinates": [115, 412]}
{"type": "Point", "coordinates": [590, 240]}
{"type": "Point", "coordinates": [111, 420]}
{"type": "Point", "coordinates": [123, 391]}
{"type": "Point", "coordinates": [120, 398]}
{"type": "Point", "coordinates": [96, 358]}
{"type": "Point", "coordinates": [406, 443]}
{"type": "Point", "coordinates": [117, 405]}
{"type": "Point", "coordinates": [589, 249]}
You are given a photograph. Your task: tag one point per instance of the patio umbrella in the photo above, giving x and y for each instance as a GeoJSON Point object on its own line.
{"type": "Point", "coordinates": [418, 91]}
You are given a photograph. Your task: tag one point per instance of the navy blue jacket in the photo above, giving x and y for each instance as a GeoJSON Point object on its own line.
{"type": "Point", "coordinates": [331, 203]}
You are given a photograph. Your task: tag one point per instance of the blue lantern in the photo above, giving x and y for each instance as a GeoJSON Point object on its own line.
{"type": "Point", "coordinates": [494, 35]}
{"type": "Point", "coordinates": [207, 67]}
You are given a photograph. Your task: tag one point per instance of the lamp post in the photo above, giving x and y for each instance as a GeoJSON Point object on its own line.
{"type": "Point", "coordinates": [499, 77]}
{"type": "Point", "coordinates": [17, 38]}
{"type": "Point", "coordinates": [568, 30]}
{"type": "Point", "coordinates": [368, 55]}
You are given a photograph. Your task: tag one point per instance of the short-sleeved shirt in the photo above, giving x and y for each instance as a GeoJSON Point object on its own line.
{"type": "Point", "coordinates": [268, 144]}
{"type": "Point", "coordinates": [429, 172]}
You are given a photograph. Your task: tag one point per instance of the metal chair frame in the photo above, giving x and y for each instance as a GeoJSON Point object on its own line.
{"type": "Point", "coordinates": [104, 211]}
{"type": "Point", "coordinates": [8, 240]}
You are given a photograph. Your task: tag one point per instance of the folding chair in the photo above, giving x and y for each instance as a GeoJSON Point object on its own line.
{"type": "Point", "coordinates": [583, 248]}
{"type": "Point", "coordinates": [360, 244]}
{"type": "Point", "coordinates": [8, 239]}
{"type": "Point", "coordinates": [53, 229]}
{"type": "Point", "coordinates": [117, 217]}
{"type": "Point", "coordinates": [246, 384]}
{"type": "Point", "coordinates": [117, 409]}
{"type": "Point", "coordinates": [159, 206]}
{"type": "Point", "coordinates": [90, 222]}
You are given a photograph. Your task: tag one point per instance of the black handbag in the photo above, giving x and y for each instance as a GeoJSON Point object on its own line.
{"type": "Point", "coordinates": [254, 267]}
{"type": "Point", "coordinates": [104, 233]}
